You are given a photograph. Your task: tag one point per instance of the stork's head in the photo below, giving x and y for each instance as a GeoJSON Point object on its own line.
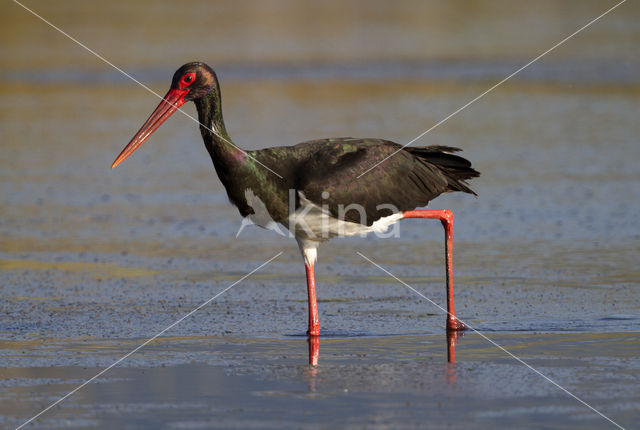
{"type": "Point", "coordinates": [191, 82]}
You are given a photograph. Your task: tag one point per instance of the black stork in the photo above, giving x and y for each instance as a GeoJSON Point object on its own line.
{"type": "Point", "coordinates": [317, 189]}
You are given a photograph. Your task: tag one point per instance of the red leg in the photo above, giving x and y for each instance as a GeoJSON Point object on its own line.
{"type": "Point", "coordinates": [314, 322]}
{"type": "Point", "coordinates": [446, 217]}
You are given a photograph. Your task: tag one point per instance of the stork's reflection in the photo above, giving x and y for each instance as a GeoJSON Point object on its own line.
{"type": "Point", "coordinates": [314, 350]}
{"type": "Point", "coordinates": [452, 340]}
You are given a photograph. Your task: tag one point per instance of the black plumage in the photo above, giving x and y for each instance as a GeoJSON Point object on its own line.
{"type": "Point", "coordinates": [410, 178]}
{"type": "Point", "coordinates": [328, 172]}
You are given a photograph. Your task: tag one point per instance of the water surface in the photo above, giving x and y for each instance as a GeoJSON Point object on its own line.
{"type": "Point", "coordinates": [93, 262]}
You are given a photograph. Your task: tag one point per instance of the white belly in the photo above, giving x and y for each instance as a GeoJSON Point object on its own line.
{"type": "Point", "coordinates": [312, 224]}
{"type": "Point", "coordinates": [315, 223]}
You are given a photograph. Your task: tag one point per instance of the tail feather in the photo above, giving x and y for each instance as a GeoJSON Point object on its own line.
{"type": "Point", "coordinates": [456, 169]}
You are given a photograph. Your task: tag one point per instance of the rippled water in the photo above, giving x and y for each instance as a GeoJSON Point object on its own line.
{"type": "Point", "coordinates": [95, 261]}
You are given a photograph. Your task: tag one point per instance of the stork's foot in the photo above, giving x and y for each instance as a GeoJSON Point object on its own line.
{"type": "Point", "coordinates": [453, 324]}
{"type": "Point", "coordinates": [313, 331]}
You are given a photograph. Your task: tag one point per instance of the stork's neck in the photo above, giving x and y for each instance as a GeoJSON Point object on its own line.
{"type": "Point", "coordinates": [228, 159]}
{"type": "Point", "coordinates": [224, 153]}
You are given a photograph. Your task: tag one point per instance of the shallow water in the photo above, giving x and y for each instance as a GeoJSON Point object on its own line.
{"type": "Point", "coordinates": [93, 262]}
{"type": "Point", "coordinates": [396, 382]}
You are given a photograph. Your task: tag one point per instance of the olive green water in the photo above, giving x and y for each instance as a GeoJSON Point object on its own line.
{"type": "Point", "coordinates": [93, 262]}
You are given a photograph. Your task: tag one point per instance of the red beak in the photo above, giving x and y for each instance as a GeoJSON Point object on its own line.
{"type": "Point", "coordinates": [169, 104]}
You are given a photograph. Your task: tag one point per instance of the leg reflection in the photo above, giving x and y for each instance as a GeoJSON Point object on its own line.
{"type": "Point", "coordinates": [452, 340]}
{"type": "Point", "coordinates": [314, 354]}
{"type": "Point", "coordinates": [314, 350]}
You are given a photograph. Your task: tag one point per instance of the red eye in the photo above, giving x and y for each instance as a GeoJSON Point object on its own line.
{"type": "Point", "coordinates": [188, 79]}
